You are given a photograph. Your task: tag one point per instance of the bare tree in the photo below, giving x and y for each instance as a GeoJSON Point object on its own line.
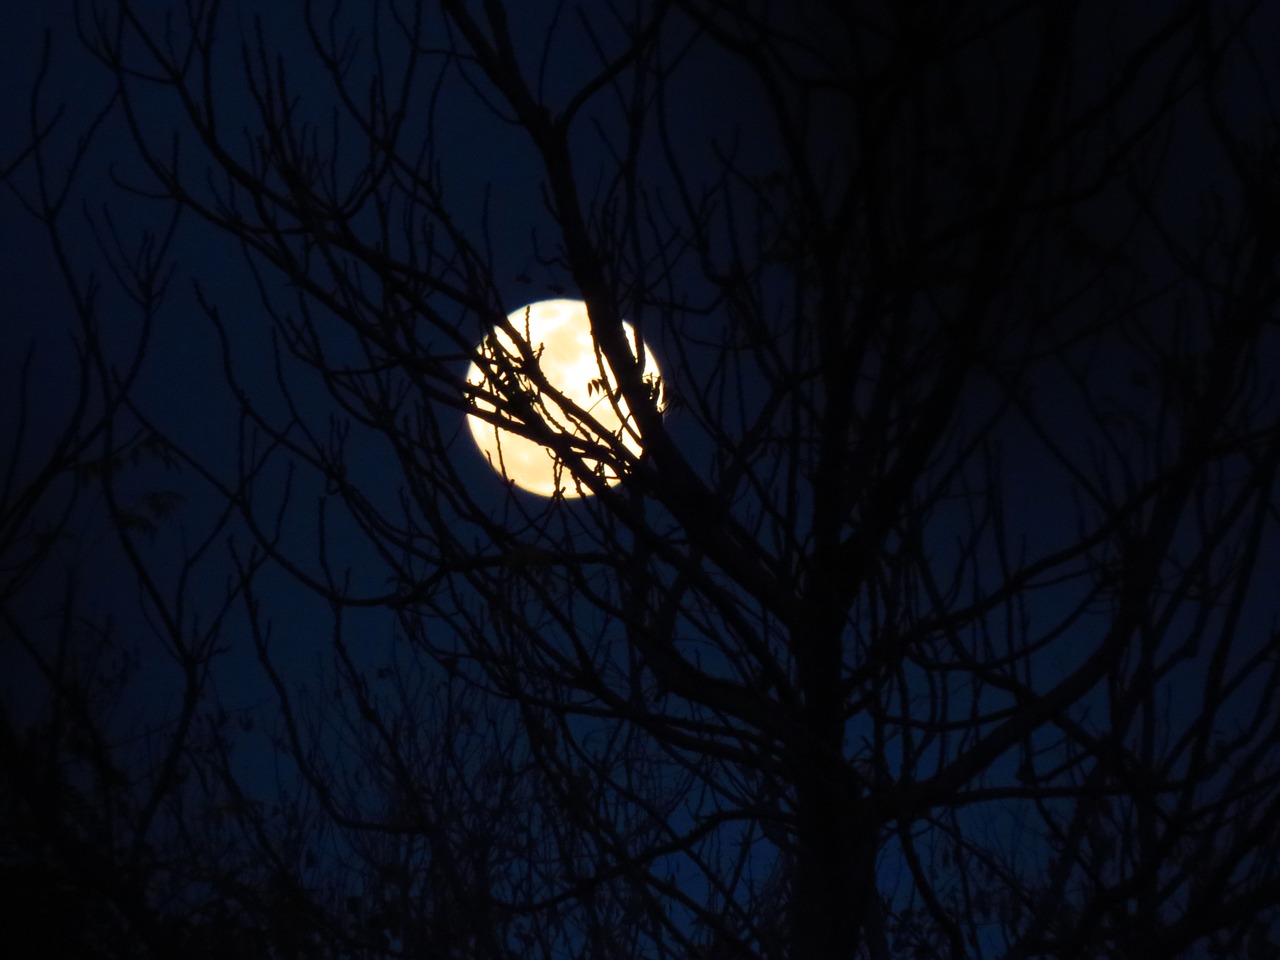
{"type": "Point", "coordinates": [85, 781]}
{"type": "Point", "coordinates": [931, 619]}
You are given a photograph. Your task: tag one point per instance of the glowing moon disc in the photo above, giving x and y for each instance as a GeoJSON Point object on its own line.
{"type": "Point", "coordinates": [559, 334]}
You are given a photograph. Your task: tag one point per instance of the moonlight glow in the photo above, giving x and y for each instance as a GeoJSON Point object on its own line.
{"type": "Point", "coordinates": [559, 334]}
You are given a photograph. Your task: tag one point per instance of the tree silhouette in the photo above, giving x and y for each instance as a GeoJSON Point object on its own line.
{"type": "Point", "coordinates": [932, 620]}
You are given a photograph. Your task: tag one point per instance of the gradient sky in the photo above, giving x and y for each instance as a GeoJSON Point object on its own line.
{"type": "Point", "coordinates": [183, 387]}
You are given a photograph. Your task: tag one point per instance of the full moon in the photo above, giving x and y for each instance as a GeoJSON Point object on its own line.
{"type": "Point", "coordinates": [558, 333]}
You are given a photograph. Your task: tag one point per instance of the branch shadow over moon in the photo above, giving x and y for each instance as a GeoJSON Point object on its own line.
{"type": "Point", "coordinates": [558, 334]}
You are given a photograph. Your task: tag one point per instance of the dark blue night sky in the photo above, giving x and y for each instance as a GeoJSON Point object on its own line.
{"type": "Point", "coordinates": [936, 617]}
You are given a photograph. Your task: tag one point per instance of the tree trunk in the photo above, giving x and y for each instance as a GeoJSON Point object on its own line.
{"type": "Point", "coordinates": [836, 837]}
{"type": "Point", "coordinates": [835, 872]}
